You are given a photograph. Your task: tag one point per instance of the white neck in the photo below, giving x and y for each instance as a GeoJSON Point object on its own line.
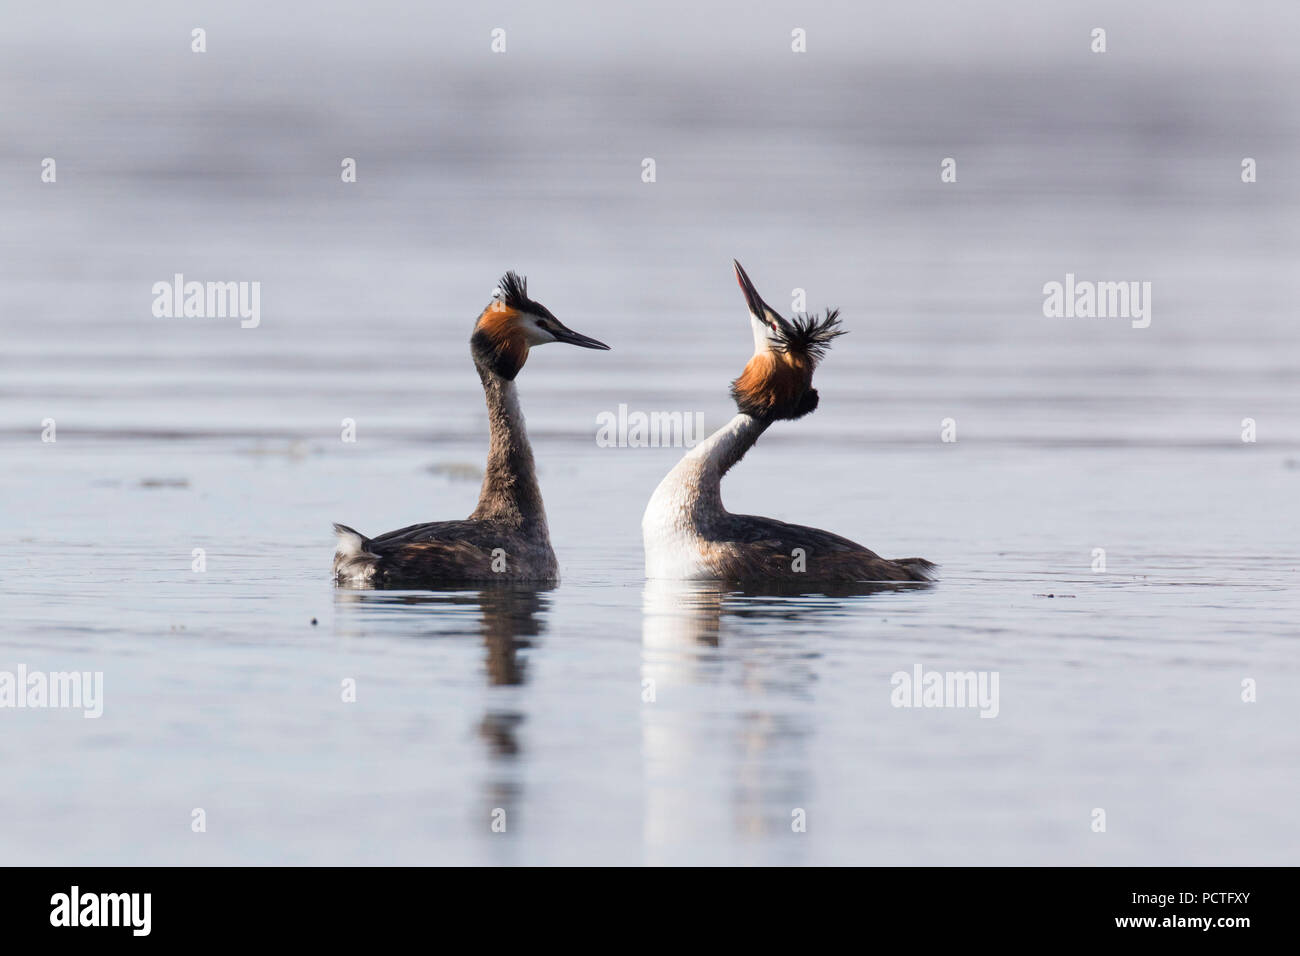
{"type": "Point", "coordinates": [706, 463]}
{"type": "Point", "coordinates": [681, 509]}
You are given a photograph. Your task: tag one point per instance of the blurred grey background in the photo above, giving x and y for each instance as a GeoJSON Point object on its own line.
{"type": "Point", "coordinates": [819, 171]}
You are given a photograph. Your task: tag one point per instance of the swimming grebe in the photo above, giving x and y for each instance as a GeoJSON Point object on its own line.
{"type": "Point", "coordinates": [687, 532]}
{"type": "Point", "coordinates": [506, 538]}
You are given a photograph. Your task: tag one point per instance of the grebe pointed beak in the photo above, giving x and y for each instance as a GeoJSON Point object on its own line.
{"type": "Point", "coordinates": [565, 334]}
{"type": "Point", "coordinates": [757, 307]}
{"type": "Point", "coordinates": [763, 312]}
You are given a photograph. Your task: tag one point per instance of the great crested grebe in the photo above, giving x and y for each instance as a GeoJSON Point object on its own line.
{"type": "Point", "coordinates": [506, 538]}
{"type": "Point", "coordinates": [687, 532]}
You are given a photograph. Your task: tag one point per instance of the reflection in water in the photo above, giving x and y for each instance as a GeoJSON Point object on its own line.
{"type": "Point", "coordinates": [508, 618]}
{"type": "Point", "coordinates": [707, 650]}
{"type": "Point", "coordinates": [498, 729]}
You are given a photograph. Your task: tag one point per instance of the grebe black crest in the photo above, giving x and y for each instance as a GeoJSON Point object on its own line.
{"type": "Point", "coordinates": [687, 532]}
{"type": "Point", "coordinates": [506, 538]}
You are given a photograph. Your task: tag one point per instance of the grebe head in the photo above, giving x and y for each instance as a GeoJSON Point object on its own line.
{"type": "Point", "coordinates": [512, 324]}
{"type": "Point", "coordinates": [777, 382]}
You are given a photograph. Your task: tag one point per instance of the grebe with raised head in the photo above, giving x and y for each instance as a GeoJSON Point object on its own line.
{"type": "Point", "coordinates": [506, 538]}
{"type": "Point", "coordinates": [687, 532]}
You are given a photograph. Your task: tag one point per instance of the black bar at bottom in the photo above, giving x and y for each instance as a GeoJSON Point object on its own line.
{"type": "Point", "coordinates": [368, 905]}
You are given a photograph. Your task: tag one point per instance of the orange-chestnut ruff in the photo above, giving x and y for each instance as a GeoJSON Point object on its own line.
{"type": "Point", "coordinates": [776, 385]}
{"type": "Point", "coordinates": [500, 340]}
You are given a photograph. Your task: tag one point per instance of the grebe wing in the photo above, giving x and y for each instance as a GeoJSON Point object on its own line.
{"type": "Point", "coordinates": [430, 531]}
{"type": "Point", "coordinates": [754, 548]}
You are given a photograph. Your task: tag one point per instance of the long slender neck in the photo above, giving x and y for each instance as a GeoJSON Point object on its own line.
{"type": "Point", "coordinates": [700, 472]}
{"type": "Point", "coordinates": [510, 491]}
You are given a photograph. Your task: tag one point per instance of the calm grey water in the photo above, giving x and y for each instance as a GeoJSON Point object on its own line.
{"type": "Point", "coordinates": [1122, 692]}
